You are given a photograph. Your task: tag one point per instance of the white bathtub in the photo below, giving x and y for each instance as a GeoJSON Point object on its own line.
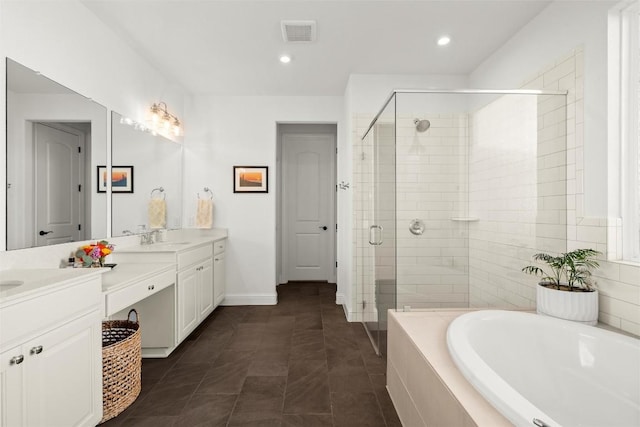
{"type": "Point", "coordinates": [537, 367]}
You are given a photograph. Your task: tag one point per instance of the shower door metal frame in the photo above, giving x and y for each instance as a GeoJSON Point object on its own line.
{"type": "Point", "coordinates": [460, 92]}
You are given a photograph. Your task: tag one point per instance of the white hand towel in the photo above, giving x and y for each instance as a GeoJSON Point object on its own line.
{"type": "Point", "coordinates": [204, 213]}
{"type": "Point", "coordinates": [157, 213]}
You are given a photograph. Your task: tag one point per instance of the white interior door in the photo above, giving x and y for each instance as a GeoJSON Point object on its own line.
{"type": "Point", "coordinates": [57, 184]}
{"type": "Point", "coordinates": [308, 206]}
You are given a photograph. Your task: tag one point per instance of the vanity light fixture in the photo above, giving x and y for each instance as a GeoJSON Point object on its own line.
{"type": "Point", "coordinates": [161, 117]}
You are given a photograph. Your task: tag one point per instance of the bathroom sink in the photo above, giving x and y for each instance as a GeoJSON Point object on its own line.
{"type": "Point", "coordinates": [9, 284]}
{"type": "Point", "coordinates": [171, 245]}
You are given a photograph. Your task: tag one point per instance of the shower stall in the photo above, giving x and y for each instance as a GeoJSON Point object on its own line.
{"type": "Point", "coordinates": [455, 190]}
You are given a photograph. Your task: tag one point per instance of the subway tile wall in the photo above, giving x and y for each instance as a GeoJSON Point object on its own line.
{"type": "Point", "coordinates": [618, 282]}
{"type": "Point", "coordinates": [492, 192]}
{"type": "Point", "coordinates": [431, 186]}
{"type": "Point", "coordinates": [517, 181]}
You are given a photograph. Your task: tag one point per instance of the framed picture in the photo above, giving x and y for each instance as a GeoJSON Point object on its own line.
{"type": "Point", "coordinates": [121, 179]}
{"type": "Point", "coordinates": [250, 179]}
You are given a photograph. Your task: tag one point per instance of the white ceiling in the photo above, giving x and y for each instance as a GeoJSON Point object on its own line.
{"type": "Point", "coordinates": [232, 47]}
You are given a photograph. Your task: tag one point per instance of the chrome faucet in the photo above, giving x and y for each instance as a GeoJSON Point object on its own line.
{"type": "Point", "coordinates": [149, 237]}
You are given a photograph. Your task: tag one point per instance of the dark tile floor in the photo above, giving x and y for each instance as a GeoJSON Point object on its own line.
{"type": "Point", "coordinates": [298, 363]}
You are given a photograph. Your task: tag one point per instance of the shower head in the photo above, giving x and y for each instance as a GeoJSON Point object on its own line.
{"type": "Point", "coordinates": [422, 125]}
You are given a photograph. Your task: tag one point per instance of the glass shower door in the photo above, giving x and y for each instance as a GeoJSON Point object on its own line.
{"type": "Point", "coordinates": [379, 272]}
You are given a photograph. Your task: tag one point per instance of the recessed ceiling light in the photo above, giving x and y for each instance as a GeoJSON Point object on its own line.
{"type": "Point", "coordinates": [285, 59]}
{"type": "Point", "coordinates": [444, 40]}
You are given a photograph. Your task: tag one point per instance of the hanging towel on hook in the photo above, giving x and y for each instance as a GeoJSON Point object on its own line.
{"type": "Point", "coordinates": [157, 213]}
{"type": "Point", "coordinates": [204, 213]}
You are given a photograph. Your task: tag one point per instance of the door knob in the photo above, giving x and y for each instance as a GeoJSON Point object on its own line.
{"type": "Point", "coordinates": [42, 232]}
{"type": "Point", "coordinates": [324, 227]}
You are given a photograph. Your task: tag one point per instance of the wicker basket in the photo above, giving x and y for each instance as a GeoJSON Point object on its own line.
{"type": "Point", "coordinates": [121, 365]}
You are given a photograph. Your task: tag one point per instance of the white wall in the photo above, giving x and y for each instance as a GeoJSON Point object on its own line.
{"type": "Point", "coordinates": [557, 30]}
{"type": "Point", "coordinates": [369, 91]}
{"type": "Point", "coordinates": [345, 238]}
{"type": "Point", "coordinates": [65, 42]}
{"type": "Point", "coordinates": [227, 131]}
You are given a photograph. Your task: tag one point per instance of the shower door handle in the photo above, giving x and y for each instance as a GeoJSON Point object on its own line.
{"type": "Point", "coordinates": [372, 235]}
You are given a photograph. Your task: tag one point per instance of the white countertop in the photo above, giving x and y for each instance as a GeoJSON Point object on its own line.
{"type": "Point", "coordinates": [37, 280]}
{"type": "Point", "coordinates": [124, 274]}
{"type": "Point", "coordinates": [179, 242]}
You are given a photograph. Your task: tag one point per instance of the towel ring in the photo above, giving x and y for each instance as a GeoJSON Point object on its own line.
{"type": "Point", "coordinates": [159, 189]}
{"type": "Point", "coordinates": [207, 190]}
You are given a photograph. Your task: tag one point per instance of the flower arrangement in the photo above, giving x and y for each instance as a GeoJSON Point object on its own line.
{"type": "Point", "coordinates": [94, 253]}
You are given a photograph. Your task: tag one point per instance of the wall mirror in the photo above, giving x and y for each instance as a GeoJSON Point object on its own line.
{"type": "Point", "coordinates": [147, 167]}
{"type": "Point", "coordinates": [55, 140]}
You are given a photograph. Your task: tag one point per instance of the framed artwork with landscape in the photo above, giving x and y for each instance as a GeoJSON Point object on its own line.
{"type": "Point", "coordinates": [250, 179]}
{"type": "Point", "coordinates": [121, 179]}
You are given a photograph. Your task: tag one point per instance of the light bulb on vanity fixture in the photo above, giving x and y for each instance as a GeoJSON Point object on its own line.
{"type": "Point", "coordinates": [161, 117]}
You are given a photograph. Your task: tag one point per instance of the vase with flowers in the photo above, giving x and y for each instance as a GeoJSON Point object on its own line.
{"type": "Point", "coordinates": [92, 255]}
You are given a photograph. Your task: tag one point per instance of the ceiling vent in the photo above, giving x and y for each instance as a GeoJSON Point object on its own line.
{"type": "Point", "coordinates": [298, 31]}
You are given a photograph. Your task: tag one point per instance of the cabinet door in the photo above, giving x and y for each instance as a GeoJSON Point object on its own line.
{"type": "Point", "coordinates": [219, 278]}
{"type": "Point", "coordinates": [11, 388]}
{"type": "Point", "coordinates": [187, 302]}
{"type": "Point", "coordinates": [205, 285]}
{"type": "Point", "coordinates": [63, 374]}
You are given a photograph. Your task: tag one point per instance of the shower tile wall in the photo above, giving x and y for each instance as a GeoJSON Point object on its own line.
{"type": "Point", "coordinates": [618, 282]}
{"type": "Point", "coordinates": [517, 181]}
{"type": "Point", "coordinates": [494, 273]}
{"type": "Point", "coordinates": [431, 186]}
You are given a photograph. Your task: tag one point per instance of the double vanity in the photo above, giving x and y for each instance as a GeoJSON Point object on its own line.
{"type": "Point", "coordinates": [50, 322]}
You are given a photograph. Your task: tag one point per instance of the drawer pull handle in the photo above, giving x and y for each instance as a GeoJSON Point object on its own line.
{"type": "Point", "coordinates": [36, 350]}
{"type": "Point", "coordinates": [16, 360]}
{"type": "Point", "coordinates": [216, 259]}
{"type": "Point", "coordinates": [151, 287]}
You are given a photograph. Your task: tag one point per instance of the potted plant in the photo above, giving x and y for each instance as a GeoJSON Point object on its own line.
{"type": "Point", "coordinates": [566, 291]}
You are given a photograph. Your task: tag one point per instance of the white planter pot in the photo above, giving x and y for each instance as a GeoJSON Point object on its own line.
{"type": "Point", "coordinates": [576, 306]}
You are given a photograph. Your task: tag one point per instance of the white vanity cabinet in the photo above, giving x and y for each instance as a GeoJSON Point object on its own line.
{"type": "Point", "coordinates": [149, 288]}
{"type": "Point", "coordinates": [219, 272]}
{"type": "Point", "coordinates": [51, 362]}
{"type": "Point", "coordinates": [195, 288]}
{"type": "Point", "coordinates": [200, 279]}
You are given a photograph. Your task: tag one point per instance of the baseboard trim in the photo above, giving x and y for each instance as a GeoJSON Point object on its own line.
{"type": "Point", "coordinates": [352, 316]}
{"type": "Point", "coordinates": [264, 299]}
{"type": "Point", "coordinates": [340, 299]}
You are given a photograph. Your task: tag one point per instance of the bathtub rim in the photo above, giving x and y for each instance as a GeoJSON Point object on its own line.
{"type": "Point", "coordinates": [484, 379]}
{"type": "Point", "coordinates": [488, 383]}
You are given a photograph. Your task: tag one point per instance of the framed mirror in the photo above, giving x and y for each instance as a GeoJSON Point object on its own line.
{"type": "Point", "coordinates": [146, 178]}
{"type": "Point", "coordinates": [55, 139]}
